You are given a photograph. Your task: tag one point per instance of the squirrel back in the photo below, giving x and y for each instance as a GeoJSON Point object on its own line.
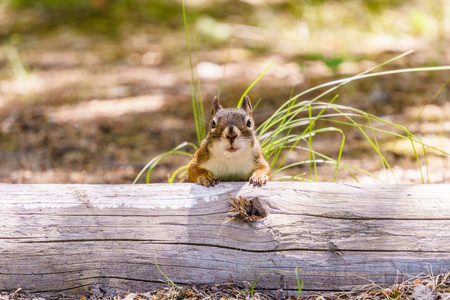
{"type": "Point", "coordinates": [230, 151]}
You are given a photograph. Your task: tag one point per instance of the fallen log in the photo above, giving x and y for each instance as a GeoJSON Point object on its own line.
{"type": "Point", "coordinates": [67, 238]}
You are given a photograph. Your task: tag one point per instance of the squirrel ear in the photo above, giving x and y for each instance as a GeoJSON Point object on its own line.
{"type": "Point", "coordinates": [216, 106]}
{"type": "Point", "coordinates": [247, 105]}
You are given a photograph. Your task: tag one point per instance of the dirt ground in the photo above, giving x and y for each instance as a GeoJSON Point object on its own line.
{"type": "Point", "coordinates": [78, 119]}
{"type": "Point", "coordinates": [420, 287]}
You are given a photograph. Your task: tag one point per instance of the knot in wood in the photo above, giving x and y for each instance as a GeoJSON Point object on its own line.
{"type": "Point", "coordinates": [246, 210]}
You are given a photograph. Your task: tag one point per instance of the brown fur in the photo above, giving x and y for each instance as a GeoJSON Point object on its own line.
{"type": "Point", "coordinates": [230, 151]}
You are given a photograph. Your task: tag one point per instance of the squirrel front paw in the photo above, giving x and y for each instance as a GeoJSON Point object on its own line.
{"type": "Point", "coordinates": [207, 180]}
{"type": "Point", "coordinates": [258, 179]}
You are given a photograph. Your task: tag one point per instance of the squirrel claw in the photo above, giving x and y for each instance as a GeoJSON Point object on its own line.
{"type": "Point", "coordinates": [258, 180]}
{"type": "Point", "coordinates": [207, 180]}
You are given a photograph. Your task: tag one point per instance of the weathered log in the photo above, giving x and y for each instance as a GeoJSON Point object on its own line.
{"type": "Point", "coordinates": [69, 237]}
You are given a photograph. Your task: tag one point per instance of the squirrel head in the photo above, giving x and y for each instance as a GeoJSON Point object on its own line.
{"type": "Point", "coordinates": [232, 128]}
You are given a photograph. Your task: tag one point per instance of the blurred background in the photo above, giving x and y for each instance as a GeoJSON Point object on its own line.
{"type": "Point", "coordinates": [91, 90]}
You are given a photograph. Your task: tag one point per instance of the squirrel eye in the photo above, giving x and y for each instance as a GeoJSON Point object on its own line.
{"type": "Point", "coordinates": [249, 123]}
{"type": "Point", "coordinates": [213, 124]}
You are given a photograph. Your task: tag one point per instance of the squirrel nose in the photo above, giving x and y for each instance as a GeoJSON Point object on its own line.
{"type": "Point", "coordinates": [231, 135]}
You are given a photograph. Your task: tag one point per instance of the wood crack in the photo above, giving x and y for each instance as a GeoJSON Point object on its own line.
{"type": "Point", "coordinates": [329, 249]}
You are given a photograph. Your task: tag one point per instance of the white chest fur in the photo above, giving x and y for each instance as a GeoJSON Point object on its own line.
{"type": "Point", "coordinates": [231, 166]}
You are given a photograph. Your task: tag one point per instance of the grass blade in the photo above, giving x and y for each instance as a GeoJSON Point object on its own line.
{"type": "Point", "coordinates": [224, 69]}
{"type": "Point", "coordinates": [196, 98]}
{"type": "Point", "coordinates": [253, 83]}
{"type": "Point", "coordinates": [155, 161]}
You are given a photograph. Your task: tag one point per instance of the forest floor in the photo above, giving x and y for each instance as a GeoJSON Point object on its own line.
{"type": "Point", "coordinates": [420, 287]}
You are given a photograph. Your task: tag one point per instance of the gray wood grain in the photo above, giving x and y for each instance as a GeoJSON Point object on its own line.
{"type": "Point", "coordinates": [68, 237]}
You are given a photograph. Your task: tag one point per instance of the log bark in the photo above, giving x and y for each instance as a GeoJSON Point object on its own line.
{"type": "Point", "coordinates": [69, 237]}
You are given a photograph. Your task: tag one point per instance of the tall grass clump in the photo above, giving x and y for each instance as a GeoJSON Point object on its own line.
{"type": "Point", "coordinates": [293, 127]}
{"type": "Point", "coordinates": [297, 123]}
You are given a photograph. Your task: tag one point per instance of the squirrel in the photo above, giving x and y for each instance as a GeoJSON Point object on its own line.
{"type": "Point", "coordinates": [230, 151]}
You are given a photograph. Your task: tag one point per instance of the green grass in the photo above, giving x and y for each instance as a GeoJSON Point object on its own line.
{"type": "Point", "coordinates": [276, 133]}
{"type": "Point", "coordinates": [299, 284]}
{"type": "Point", "coordinates": [253, 83]}
{"type": "Point", "coordinates": [155, 161]}
{"type": "Point", "coordinates": [253, 282]}
{"type": "Point", "coordinates": [168, 280]}
{"type": "Point", "coordinates": [196, 92]}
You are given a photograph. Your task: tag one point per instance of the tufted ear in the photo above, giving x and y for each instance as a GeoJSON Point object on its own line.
{"type": "Point", "coordinates": [215, 106]}
{"type": "Point", "coordinates": [247, 105]}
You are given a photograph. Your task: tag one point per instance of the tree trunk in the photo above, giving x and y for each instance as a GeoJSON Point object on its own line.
{"type": "Point", "coordinates": [69, 237]}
